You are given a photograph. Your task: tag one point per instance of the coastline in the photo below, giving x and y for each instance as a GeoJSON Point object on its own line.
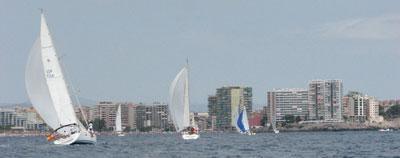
{"type": "Point", "coordinates": [318, 127]}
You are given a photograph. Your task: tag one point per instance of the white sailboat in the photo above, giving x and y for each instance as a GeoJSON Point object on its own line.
{"type": "Point", "coordinates": [273, 122]}
{"type": "Point", "coordinates": [48, 92]}
{"type": "Point", "coordinates": [179, 105]}
{"type": "Point", "coordinates": [242, 122]}
{"type": "Point", "coordinates": [118, 122]}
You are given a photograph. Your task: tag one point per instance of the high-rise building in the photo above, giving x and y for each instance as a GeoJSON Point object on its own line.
{"type": "Point", "coordinates": [107, 111]}
{"type": "Point", "coordinates": [212, 111]}
{"type": "Point", "coordinates": [225, 105]}
{"type": "Point", "coordinates": [355, 106]}
{"type": "Point", "coordinates": [82, 112]}
{"type": "Point", "coordinates": [14, 118]}
{"type": "Point", "coordinates": [33, 119]}
{"type": "Point", "coordinates": [373, 110]}
{"type": "Point", "coordinates": [286, 102]}
{"type": "Point", "coordinates": [266, 114]}
{"type": "Point", "coordinates": [154, 117]}
{"type": "Point", "coordinates": [7, 117]}
{"type": "Point", "coordinates": [212, 105]}
{"type": "Point", "coordinates": [160, 115]}
{"type": "Point", "coordinates": [200, 119]}
{"type": "Point", "coordinates": [132, 113]}
{"type": "Point", "coordinates": [360, 108]}
{"type": "Point", "coordinates": [325, 100]}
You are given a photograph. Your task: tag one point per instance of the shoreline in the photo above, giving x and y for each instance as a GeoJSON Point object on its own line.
{"type": "Point", "coordinates": [289, 130]}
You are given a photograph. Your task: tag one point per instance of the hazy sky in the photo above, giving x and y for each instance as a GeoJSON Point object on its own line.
{"type": "Point", "coordinates": [131, 50]}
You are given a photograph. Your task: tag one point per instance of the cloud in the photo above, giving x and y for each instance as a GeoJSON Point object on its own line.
{"type": "Point", "coordinates": [372, 28]}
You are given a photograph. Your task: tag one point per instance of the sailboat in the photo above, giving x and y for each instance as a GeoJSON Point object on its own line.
{"type": "Point", "coordinates": [273, 122]}
{"type": "Point", "coordinates": [118, 124]}
{"type": "Point", "coordinates": [179, 105]}
{"type": "Point", "coordinates": [48, 92]}
{"type": "Point", "coordinates": [242, 122]}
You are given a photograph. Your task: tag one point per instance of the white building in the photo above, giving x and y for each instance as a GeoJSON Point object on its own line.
{"type": "Point", "coordinates": [288, 102]}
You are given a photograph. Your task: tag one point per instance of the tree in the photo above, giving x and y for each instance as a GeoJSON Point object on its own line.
{"type": "Point", "coordinates": [298, 119]}
{"type": "Point", "coordinates": [392, 112]}
{"type": "Point", "coordinates": [99, 125]}
{"type": "Point", "coordinates": [264, 120]}
{"type": "Point", "coordinates": [127, 129]}
{"type": "Point", "coordinates": [381, 111]}
{"type": "Point", "coordinates": [6, 127]}
{"type": "Point", "coordinates": [146, 129]}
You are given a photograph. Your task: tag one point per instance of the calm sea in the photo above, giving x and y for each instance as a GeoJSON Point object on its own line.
{"type": "Point", "coordinates": [294, 144]}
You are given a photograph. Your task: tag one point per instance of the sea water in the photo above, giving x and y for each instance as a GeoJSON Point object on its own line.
{"type": "Point", "coordinates": [292, 144]}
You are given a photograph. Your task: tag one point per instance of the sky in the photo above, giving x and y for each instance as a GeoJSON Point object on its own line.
{"type": "Point", "coordinates": [131, 50]}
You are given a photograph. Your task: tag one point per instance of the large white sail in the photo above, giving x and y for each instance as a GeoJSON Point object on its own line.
{"type": "Point", "coordinates": [273, 119]}
{"type": "Point", "coordinates": [37, 88]}
{"type": "Point", "coordinates": [45, 82]}
{"type": "Point", "coordinates": [179, 100]}
{"type": "Point", "coordinates": [118, 125]}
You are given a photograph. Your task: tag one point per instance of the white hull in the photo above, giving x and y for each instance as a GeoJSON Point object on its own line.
{"type": "Point", "coordinates": [248, 133]}
{"type": "Point", "coordinates": [276, 131]}
{"type": "Point", "coordinates": [190, 136]}
{"type": "Point", "coordinates": [77, 138]}
{"type": "Point", "coordinates": [385, 130]}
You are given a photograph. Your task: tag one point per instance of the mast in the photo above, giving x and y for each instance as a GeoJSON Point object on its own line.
{"type": "Point", "coordinates": [186, 101]}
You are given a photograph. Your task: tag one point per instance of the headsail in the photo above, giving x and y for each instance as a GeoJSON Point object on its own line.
{"type": "Point", "coordinates": [242, 123]}
{"type": "Point", "coordinates": [118, 124]}
{"type": "Point", "coordinates": [37, 88]}
{"type": "Point", "coordinates": [179, 100]}
{"type": "Point", "coordinates": [273, 120]}
{"type": "Point", "coordinates": [45, 82]}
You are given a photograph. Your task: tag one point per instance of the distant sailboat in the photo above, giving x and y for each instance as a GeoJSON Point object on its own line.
{"type": "Point", "coordinates": [242, 122]}
{"type": "Point", "coordinates": [385, 130]}
{"type": "Point", "coordinates": [273, 122]}
{"type": "Point", "coordinates": [179, 105]}
{"type": "Point", "coordinates": [118, 122]}
{"type": "Point", "coordinates": [48, 92]}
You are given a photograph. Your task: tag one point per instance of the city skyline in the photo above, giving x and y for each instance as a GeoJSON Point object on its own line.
{"type": "Point", "coordinates": [132, 53]}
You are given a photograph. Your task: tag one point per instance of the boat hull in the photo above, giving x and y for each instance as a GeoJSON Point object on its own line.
{"type": "Point", "coordinates": [77, 138]}
{"type": "Point", "coordinates": [190, 136]}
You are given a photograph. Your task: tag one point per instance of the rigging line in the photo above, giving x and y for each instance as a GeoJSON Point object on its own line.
{"type": "Point", "coordinates": [74, 92]}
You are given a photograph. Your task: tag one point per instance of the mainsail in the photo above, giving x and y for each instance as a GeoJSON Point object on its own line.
{"type": "Point", "coordinates": [242, 123]}
{"type": "Point", "coordinates": [45, 82]}
{"type": "Point", "coordinates": [273, 119]}
{"type": "Point", "coordinates": [179, 100]}
{"type": "Point", "coordinates": [118, 125]}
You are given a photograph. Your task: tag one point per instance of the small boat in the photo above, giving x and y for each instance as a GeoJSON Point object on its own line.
{"type": "Point", "coordinates": [385, 130]}
{"type": "Point", "coordinates": [118, 123]}
{"type": "Point", "coordinates": [48, 93]}
{"type": "Point", "coordinates": [179, 105]}
{"type": "Point", "coordinates": [273, 122]}
{"type": "Point", "coordinates": [242, 122]}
